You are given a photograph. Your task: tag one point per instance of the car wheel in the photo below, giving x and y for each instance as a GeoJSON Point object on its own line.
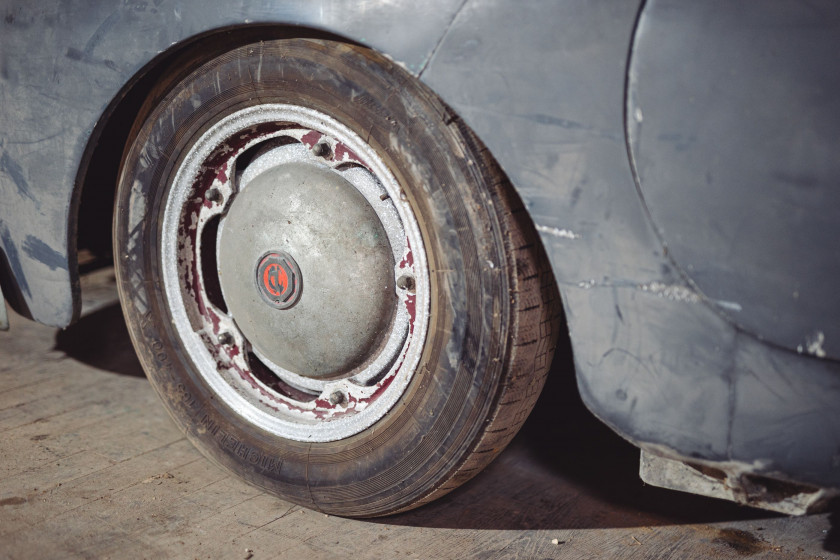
{"type": "Point", "coordinates": [329, 282]}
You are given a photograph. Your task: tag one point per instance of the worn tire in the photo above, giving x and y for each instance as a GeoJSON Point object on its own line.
{"type": "Point", "coordinates": [493, 307]}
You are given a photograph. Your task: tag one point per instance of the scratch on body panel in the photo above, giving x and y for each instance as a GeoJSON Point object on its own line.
{"type": "Point", "coordinates": [557, 232]}
{"type": "Point", "coordinates": [86, 54]}
{"type": "Point", "coordinates": [671, 292]}
{"type": "Point", "coordinates": [729, 305]}
{"type": "Point", "coordinates": [567, 124]}
{"type": "Point", "coordinates": [814, 345]}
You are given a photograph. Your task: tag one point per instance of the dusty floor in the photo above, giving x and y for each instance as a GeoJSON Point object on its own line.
{"type": "Point", "coordinates": [91, 466]}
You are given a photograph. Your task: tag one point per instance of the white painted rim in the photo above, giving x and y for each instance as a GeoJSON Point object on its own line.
{"type": "Point", "coordinates": [369, 394]}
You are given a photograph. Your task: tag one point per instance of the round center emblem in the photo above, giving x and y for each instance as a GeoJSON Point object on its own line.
{"type": "Point", "coordinates": [278, 279]}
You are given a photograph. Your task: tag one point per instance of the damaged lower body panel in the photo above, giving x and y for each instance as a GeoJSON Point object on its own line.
{"type": "Point", "coordinates": [717, 412]}
{"type": "Point", "coordinates": [735, 482]}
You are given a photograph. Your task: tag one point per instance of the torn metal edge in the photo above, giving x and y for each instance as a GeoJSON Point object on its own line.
{"type": "Point", "coordinates": [735, 481]}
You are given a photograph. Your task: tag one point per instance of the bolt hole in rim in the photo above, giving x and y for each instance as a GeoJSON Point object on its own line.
{"type": "Point", "coordinates": [206, 188]}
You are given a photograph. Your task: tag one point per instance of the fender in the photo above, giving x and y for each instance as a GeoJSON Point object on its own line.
{"type": "Point", "coordinates": [54, 111]}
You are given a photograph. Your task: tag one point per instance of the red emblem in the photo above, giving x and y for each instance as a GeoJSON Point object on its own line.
{"type": "Point", "coordinates": [275, 280]}
{"type": "Point", "coordinates": [278, 279]}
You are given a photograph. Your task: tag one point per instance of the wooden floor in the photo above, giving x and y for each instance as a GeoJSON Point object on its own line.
{"type": "Point", "coordinates": [92, 467]}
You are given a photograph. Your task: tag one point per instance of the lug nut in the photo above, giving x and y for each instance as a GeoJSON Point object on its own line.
{"type": "Point", "coordinates": [406, 282]}
{"type": "Point", "coordinates": [213, 195]}
{"type": "Point", "coordinates": [322, 149]}
{"type": "Point", "coordinates": [337, 398]}
{"type": "Point", "coordinates": [225, 339]}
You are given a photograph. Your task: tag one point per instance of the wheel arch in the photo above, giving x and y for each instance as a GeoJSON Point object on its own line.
{"type": "Point", "coordinates": [98, 170]}
{"type": "Point", "coordinates": [97, 176]}
{"type": "Point", "coordinates": [94, 190]}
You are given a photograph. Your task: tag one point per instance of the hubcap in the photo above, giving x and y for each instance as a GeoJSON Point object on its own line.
{"type": "Point", "coordinates": [347, 299]}
{"type": "Point", "coordinates": [295, 272]}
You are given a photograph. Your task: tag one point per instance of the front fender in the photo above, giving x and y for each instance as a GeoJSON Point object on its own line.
{"type": "Point", "coordinates": [62, 65]}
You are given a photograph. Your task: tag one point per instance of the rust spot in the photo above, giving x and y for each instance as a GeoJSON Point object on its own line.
{"type": "Point", "coordinates": [708, 471]}
{"type": "Point", "coordinates": [768, 490]}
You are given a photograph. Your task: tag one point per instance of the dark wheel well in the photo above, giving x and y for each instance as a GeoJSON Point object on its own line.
{"type": "Point", "coordinates": [98, 174]}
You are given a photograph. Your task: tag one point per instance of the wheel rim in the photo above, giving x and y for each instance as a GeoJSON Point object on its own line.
{"type": "Point", "coordinates": [249, 328]}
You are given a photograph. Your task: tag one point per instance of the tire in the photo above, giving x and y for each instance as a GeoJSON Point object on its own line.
{"type": "Point", "coordinates": [413, 381]}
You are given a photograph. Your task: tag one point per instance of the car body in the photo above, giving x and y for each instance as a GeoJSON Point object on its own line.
{"type": "Point", "coordinates": [678, 160]}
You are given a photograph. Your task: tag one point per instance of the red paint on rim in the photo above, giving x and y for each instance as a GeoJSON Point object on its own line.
{"type": "Point", "coordinates": [213, 169]}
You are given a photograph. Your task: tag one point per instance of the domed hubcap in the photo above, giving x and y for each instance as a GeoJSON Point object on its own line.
{"type": "Point", "coordinates": [325, 320]}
